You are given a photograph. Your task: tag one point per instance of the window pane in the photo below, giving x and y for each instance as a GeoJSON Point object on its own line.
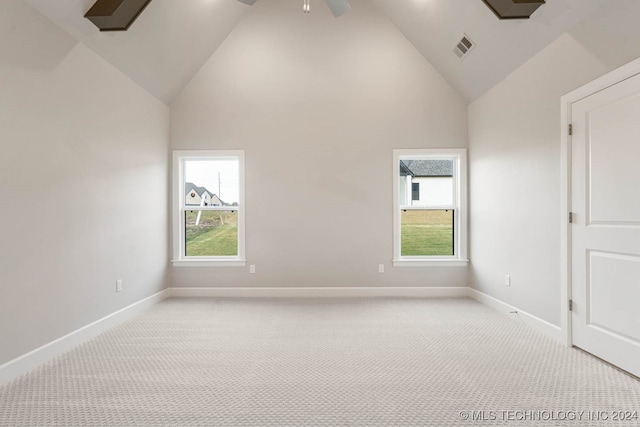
{"type": "Point", "coordinates": [426, 232]}
{"type": "Point", "coordinates": [211, 233]}
{"type": "Point", "coordinates": [426, 182]}
{"type": "Point", "coordinates": [415, 191]}
{"type": "Point", "coordinates": [211, 182]}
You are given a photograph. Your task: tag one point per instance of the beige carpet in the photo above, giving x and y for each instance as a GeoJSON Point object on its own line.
{"type": "Point", "coordinates": [322, 362]}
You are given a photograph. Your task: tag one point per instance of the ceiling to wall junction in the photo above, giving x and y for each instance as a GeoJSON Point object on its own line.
{"type": "Point", "coordinates": [171, 40]}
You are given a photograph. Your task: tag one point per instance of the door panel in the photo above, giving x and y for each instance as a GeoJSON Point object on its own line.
{"type": "Point", "coordinates": [610, 202]}
{"type": "Point", "coordinates": [605, 234]}
{"type": "Point", "coordinates": [612, 298]}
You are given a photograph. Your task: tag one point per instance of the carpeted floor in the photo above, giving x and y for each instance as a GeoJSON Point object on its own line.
{"type": "Point", "coordinates": [322, 362]}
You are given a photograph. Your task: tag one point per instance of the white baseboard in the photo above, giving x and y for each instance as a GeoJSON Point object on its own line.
{"type": "Point", "coordinates": [415, 292]}
{"type": "Point", "coordinates": [23, 364]}
{"type": "Point", "coordinates": [534, 322]}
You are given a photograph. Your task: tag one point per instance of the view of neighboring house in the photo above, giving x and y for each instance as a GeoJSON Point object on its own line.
{"type": "Point", "coordinates": [200, 196]}
{"type": "Point", "coordinates": [426, 183]}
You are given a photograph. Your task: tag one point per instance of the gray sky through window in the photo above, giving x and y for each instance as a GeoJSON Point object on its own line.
{"type": "Point", "coordinates": [205, 173]}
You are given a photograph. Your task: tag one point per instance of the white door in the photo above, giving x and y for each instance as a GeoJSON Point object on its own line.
{"type": "Point", "coordinates": [605, 234]}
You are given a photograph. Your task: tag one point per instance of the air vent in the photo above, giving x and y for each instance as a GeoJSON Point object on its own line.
{"type": "Point", "coordinates": [464, 46]}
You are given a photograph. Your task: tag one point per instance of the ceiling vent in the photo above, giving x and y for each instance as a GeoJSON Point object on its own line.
{"type": "Point", "coordinates": [464, 46]}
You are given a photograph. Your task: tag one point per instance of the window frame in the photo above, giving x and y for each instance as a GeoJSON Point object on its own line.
{"type": "Point", "coordinates": [459, 259]}
{"type": "Point", "coordinates": [180, 157]}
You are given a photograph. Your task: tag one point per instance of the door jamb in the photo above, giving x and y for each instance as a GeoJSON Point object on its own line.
{"type": "Point", "coordinates": [616, 76]}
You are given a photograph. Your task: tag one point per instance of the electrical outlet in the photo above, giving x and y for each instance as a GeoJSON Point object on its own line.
{"type": "Point", "coordinates": [252, 269]}
{"type": "Point", "coordinates": [380, 268]}
{"type": "Point", "coordinates": [507, 280]}
{"type": "Point", "coordinates": [119, 285]}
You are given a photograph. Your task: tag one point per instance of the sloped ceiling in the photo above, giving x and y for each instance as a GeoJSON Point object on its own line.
{"type": "Point", "coordinates": [164, 48]}
{"type": "Point", "coordinates": [172, 39]}
{"type": "Point", "coordinates": [435, 26]}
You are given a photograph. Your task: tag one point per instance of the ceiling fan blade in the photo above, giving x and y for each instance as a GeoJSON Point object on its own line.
{"type": "Point", "coordinates": [249, 2]}
{"type": "Point", "coordinates": [338, 7]}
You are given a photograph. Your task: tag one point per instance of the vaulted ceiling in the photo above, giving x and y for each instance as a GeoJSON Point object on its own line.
{"type": "Point", "coordinates": [172, 39]}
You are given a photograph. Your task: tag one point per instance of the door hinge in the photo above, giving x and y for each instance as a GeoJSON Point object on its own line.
{"type": "Point", "coordinates": [570, 129]}
{"type": "Point", "coordinates": [571, 217]}
{"type": "Point", "coordinates": [570, 305]}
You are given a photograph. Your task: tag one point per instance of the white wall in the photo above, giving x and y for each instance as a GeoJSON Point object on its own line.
{"type": "Point", "coordinates": [514, 151]}
{"type": "Point", "coordinates": [318, 104]}
{"type": "Point", "coordinates": [83, 185]}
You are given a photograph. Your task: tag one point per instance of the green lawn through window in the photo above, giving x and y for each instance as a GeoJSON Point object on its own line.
{"type": "Point", "coordinates": [215, 235]}
{"type": "Point", "coordinates": [426, 232]}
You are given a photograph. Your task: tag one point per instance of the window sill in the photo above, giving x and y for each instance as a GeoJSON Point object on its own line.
{"type": "Point", "coordinates": [430, 262]}
{"type": "Point", "coordinates": [232, 262]}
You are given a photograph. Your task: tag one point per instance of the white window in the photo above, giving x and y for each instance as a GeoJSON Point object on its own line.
{"type": "Point", "coordinates": [430, 207]}
{"type": "Point", "coordinates": [208, 208]}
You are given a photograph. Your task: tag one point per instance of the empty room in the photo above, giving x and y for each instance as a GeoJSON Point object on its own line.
{"type": "Point", "coordinates": [319, 212]}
